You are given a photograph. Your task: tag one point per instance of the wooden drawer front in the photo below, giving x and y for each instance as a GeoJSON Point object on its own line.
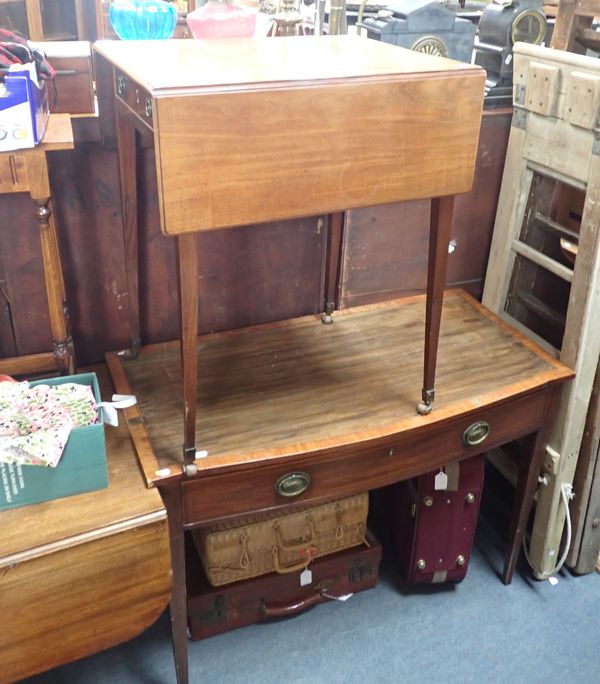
{"type": "Point", "coordinates": [135, 97]}
{"type": "Point", "coordinates": [73, 92]}
{"type": "Point", "coordinates": [13, 173]}
{"type": "Point", "coordinates": [351, 469]}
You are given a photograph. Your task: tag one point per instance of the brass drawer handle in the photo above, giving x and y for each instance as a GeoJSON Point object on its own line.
{"type": "Point", "coordinates": [476, 433]}
{"type": "Point", "coordinates": [121, 85]}
{"type": "Point", "coordinates": [292, 484]}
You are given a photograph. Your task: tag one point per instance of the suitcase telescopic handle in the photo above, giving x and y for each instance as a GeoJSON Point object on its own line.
{"type": "Point", "coordinates": [283, 610]}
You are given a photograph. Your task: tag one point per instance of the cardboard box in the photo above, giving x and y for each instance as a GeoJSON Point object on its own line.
{"type": "Point", "coordinates": [23, 108]}
{"type": "Point", "coordinates": [82, 467]}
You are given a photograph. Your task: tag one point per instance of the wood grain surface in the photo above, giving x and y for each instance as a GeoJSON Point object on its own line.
{"type": "Point", "coordinates": [181, 64]}
{"type": "Point", "coordinates": [284, 153]}
{"type": "Point", "coordinates": [299, 386]}
{"type": "Point", "coordinates": [82, 573]}
{"type": "Point", "coordinates": [38, 529]}
{"type": "Point", "coordinates": [340, 124]}
{"type": "Point", "coordinates": [84, 599]}
{"type": "Point", "coordinates": [385, 247]}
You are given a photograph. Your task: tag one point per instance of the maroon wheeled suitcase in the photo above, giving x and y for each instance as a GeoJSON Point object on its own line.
{"type": "Point", "coordinates": [433, 520]}
{"type": "Point", "coordinates": [212, 610]}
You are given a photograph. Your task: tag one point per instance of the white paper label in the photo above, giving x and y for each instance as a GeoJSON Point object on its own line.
{"type": "Point", "coordinates": [441, 480]}
{"type": "Point", "coordinates": [305, 577]}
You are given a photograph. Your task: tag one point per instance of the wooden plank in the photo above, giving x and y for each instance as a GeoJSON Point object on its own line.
{"type": "Point", "coordinates": [364, 369]}
{"type": "Point", "coordinates": [514, 193]}
{"type": "Point", "coordinates": [581, 351]}
{"type": "Point", "coordinates": [584, 508]}
{"type": "Point", "coordinates": [542, 260]}
{"type": "Point", "coordinates": [555, 148]}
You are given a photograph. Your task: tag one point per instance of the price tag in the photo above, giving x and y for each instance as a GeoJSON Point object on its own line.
{"type": "Point", "coordinates": [441, 480]}
{"type": "Point", "coordinates": [305, 577]}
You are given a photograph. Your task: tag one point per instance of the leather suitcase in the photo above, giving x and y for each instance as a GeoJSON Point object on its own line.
{"type": "Point", "coordinates": [434, 528]}
{"type": "Point", "coordinates": [213, 610]}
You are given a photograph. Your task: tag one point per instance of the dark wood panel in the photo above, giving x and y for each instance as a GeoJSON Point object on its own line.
{"type": "Point", "coordinates": [88, 217]}
{"type": "Point", "coordinates": [385, 250]}
{"type": "Point", "coordinates": [25, 322]}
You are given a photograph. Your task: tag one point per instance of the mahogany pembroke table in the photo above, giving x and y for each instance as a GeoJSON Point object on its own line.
{"type": "Point", "coordinates": [294, 412]}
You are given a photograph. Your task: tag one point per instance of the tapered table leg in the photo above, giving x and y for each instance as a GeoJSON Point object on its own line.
{"type": "Point", "coordinates": [439, 238]}
{"type": "Point", "coordinates": [530, 466]}
{"type": "Point", "coordinates": [177, 604]}
{"type": "Point", "coordinates": [126, 148]}
{"type": "Point", "coordinates": [188, 307]}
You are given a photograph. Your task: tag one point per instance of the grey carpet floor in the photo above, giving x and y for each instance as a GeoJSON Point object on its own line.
{"type": "Point", "coordinates": [476, 631]}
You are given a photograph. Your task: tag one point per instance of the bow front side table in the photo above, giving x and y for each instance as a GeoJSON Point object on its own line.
{"type": "Point", "coordinates": [298, 412]}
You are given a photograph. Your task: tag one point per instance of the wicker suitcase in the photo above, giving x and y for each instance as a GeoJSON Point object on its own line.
{"type": "Point", "coordinates": [434, 528]}
{"type": "Point", "coordinates": [213, 610]}
{"type": "Point", "coordinates": [254, 546]}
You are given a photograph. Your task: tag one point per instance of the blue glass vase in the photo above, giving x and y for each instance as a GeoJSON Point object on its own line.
{"type": "Point", "coordinates": [142, 19]}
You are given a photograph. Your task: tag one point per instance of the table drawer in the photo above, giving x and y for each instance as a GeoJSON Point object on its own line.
{"type": "Point", "coordinates": [134, 96]}
{"type": "Point", "coordinates": [13, 172]}
{"type": "Point", "coordinates": [351, 469]}
{"type": "Point", "coordinates": [72, 91]}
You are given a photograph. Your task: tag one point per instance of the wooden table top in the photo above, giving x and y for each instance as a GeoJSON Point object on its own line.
{"type": "Point", "coordinates": [32, 531]}
{"type": "Point", "coordinates": [277, 129]}
{"type": "Point", "coordinates": [197, 64]}
{"type": "Point", "coordinates": [298, 386]}
{"type": "Point", "coordinates": [58, 134]}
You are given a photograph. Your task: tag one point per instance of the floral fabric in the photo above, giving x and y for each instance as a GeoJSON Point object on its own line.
{"type": "Point", "coordinates": [35, 422]}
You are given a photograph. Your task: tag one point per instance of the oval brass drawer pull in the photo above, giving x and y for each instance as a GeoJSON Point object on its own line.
{"type": "Point", "coordinates": [476, 433]}
{"type": "Point", "coordinates": [292, 484]}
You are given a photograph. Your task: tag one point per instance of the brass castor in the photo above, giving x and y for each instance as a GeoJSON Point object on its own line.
{"type": "Point", "coordinates": [190, 469]}
{"type": "Point", "coordinates": [424, 409]}
{"type": "Point", "coordinates": [327, 319]}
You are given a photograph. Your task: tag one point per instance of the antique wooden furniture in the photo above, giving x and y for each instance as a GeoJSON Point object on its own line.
{"type": "Point", "coordinates": [368, 123]}
{"type": "Point", "coordinates": [83, 573]}
{"type": "Point", "coordinates": [27, 171]}
{"type": "Point", "coordinates": [553, 140]}
{"type": "Point", "coordinates": [301, 402]}
{"type": "Point", "coordinates": [382, 125]}
{"type": "Point", "coordinates": [573, 29]}
{"type": "Point", "coordinates": [45, 19]}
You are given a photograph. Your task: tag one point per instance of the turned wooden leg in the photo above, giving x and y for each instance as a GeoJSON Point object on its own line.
{"type": "Point", "coordinates": [530, 466]}
{"type": "Point", "coordinates": [439, 238]}
{"type": "Point", "coordinates": [39, 189]}
{"type": "Point", "coordinates": [62, 343]}
{"type": "Point", "coordinates": [188, 308]}
{"type": "Point", "coordinates": [126, 147]}
{"type": "Point", "coordinates": [178, 603]}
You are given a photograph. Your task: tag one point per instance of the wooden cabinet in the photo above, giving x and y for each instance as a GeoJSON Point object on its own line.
{"type": "Point", "coordinates": [45, 19]}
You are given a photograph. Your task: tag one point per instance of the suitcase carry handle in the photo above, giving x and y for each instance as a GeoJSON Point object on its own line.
{"type": "Point", "coordinates": [287, 546]}
{"type": "Point", "coordinates": [291, 608]}
{"type": "Point", "coordinates": [310, 552]}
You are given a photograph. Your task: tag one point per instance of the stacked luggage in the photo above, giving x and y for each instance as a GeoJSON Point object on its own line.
{"type": "Point", "coordinates": [272, 566]}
